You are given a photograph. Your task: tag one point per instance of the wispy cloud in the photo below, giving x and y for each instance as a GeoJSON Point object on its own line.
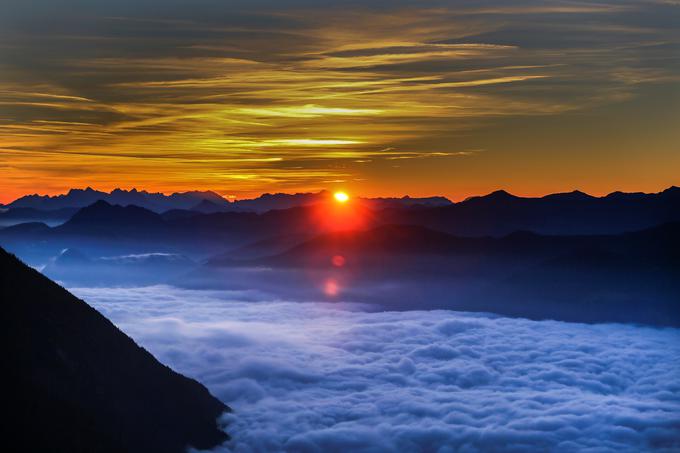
{"type": "Point", "coordinates": [323, 86]}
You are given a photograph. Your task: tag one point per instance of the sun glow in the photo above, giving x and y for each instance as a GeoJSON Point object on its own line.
{"type": "Point", "coordinates": [341, 197]}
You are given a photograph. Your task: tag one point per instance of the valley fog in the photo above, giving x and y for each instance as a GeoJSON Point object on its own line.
{"type": "Point", "coordinates": [338, 376]}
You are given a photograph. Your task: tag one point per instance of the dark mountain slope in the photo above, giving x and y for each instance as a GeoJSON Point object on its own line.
{"type": "Point", "coordinates": [75, 383]}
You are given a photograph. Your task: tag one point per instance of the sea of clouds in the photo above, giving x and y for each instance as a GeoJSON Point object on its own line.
{"type": "Point", "coordinates": [324, 377]}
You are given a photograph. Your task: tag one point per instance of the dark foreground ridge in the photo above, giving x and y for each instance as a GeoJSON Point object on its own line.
{"type": "Point", "coordinates": [76, 383]}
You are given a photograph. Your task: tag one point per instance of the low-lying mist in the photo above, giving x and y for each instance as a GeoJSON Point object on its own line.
{"type": "Point", "coordinates": [344, 377]}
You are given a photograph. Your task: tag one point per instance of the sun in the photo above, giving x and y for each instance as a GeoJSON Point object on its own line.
{"type": "Point", "coordinates": [341, 197]}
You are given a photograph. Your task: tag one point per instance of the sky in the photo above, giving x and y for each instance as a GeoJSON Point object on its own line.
{"type": "Point", "coordinates": [307, 377]}
{"type": "Point", "coordinates": [376, 97]}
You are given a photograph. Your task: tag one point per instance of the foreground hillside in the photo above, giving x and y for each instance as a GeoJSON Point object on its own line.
{"type": "Point", "coordinates": [78, 384]}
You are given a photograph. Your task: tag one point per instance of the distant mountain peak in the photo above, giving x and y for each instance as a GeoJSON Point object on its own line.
{"type": "Point", "coordinates": [74, 191]}
{"type": "Point", "coordinates": [99, 204]}
{"type": "Point", "coordinates": [501, 194]}
{"type": "Point", "coordinates": [104, 215]}
{"type": "Point", "coordinates": [573, 195]}
{"type": "Point", "coordinates": [497, 195]}
{"type": "Point", "coordinates": [206, 206]}
{"type": "Point", "coordinates": [80, 198]}
{"type": "Point", "coordinates": [619, 195]}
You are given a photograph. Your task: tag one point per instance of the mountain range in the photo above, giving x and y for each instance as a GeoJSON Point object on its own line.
{"type": "Point", "coordinates": [157, 202]}
{"type": "Point", "coordinates": [496, 213]}
{"type": "Point", "coordinates": [530, 257]}
{"type": "Point", "coordinates": [628, 277]}
{"type": "Point", "coordinates": [501, 213]}
{"type": "Point", "coordinates": [196, 201]}
{"type": "Point", "coordinates": [119, 230]}
{"type": "Point", "coordinates": [76, 383]}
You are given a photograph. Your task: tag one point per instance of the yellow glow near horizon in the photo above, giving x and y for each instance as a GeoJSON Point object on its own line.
{"type": "Point", "coordinates": [341, 197]}
{"type": "Point", "coordinates": [421, 100]}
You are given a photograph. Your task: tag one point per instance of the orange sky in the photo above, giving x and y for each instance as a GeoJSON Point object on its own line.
{"type": "Point", "coordinates": [453, 98]}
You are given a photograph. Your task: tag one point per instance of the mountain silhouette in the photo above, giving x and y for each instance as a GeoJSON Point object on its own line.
{"type": "Point", "coordinates": [260, 249]}
{"type": "Point", "coordinates": [384, 241]}
{"type": "Point", "coordinates": [210, 207]}
{"type": "Point", "coordinates": [13, 216]}
{"type": "Point", "coordinates": [660, 245]}
{"type": "Point", "coordinates": [104, 217]}
{"type": "Point", "coordinates": [268, 202]}
{"type": "Point", "coordinates": [501, 213]}
{"type": "Point", "coordinates": [157, 202]}
{"type": "Point", "coordinates": [496, 214]}
{"type": "Point", "coordinates": [30, 228]}
{"type": "Point", "coordinates": [406, 202]}
{"type": "Point", "coordinates": [78, 384]}
{"type": "Point", "coordinates": [201, 201]}
{"type": "Point", "coordinates": [104, 229]}
{"type": "Point", "coordinates": [631, 277]}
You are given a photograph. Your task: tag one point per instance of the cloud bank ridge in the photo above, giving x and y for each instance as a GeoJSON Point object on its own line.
{"type": "Point", "coordinates": [308, 377]}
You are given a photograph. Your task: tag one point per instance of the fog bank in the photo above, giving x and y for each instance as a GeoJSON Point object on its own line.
{"type": "Point", "coordinates": [338, 377]}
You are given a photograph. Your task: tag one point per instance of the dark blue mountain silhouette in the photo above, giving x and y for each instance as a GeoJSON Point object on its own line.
{"type": "Point", "coordinates": [158, 202]}
{"type": "Point", "coordinates": [102, 216]}
{"type": "Point", "coordinates": [500, 213]}
{"type": "Point", "coordinates": [108, 229]}
{"type": "Point", "coordinates": [631, 277]}
{"type": "Point", "coordinates": [13, 216]}
{"type": "Point", "coordinates": [98, 389]}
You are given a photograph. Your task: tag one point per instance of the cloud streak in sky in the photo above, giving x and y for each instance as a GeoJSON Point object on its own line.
{"type": "Point", "coordinates": [215, 84]}
{"type": "Point", "coordinates": [334, 377]}
{"type": "Point", "coordinates": [218, 87]}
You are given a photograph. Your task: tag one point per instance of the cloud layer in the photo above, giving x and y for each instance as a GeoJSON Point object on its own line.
{"type": "Point", "coordinates": [336, 377]}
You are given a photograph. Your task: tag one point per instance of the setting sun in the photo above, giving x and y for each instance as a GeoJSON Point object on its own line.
{"type": "Point", "coordinates": [341, 197]}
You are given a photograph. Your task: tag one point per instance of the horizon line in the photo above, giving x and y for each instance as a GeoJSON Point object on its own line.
{"type": "Point", "coordinates": [232, 199]}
